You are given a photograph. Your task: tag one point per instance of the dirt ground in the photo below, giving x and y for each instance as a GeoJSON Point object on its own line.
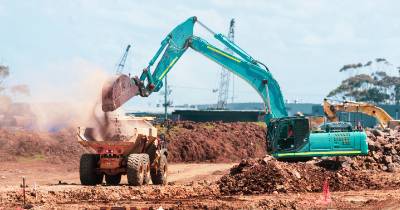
{"type": "Point", "coordinates": [191, 186]}
{"type": "Point", "coordinates": [42, 173]}
{"type": "Point", "coordinates": [204, 174]}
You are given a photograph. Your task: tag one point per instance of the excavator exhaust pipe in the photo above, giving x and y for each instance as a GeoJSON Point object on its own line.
{"type": "Point", "coordinates": [117, 91]}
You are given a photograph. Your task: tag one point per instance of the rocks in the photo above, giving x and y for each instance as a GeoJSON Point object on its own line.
{"type": "Point", "coordinates": [348, 173]}
{"type": "Point", "coordinates": [268, 158]}
{"type": "Point", "coordinates": [377, 132]}
{"type": "Point", "coordinates": [384, 147]}
{"type": "Point", "coordinates": [296, 174]}
{"type": "Point", "coordinates": [255, 176]}
{"type": "Point", "coordinates": [391, 167]}
{"type": "Point", "coordinates": [387, 159]}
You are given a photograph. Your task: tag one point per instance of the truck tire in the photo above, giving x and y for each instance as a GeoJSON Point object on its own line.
{"type": "Point", "coordinates": [152, 151]}
{"type": "Point", "coordinates": [87, 170]}
{"type": "Point", "coordinates": [159, 174]}
{"type": "Point", "coordinates": [146, 164]}
{"type": "Point", "coordinates": [135, 169]}
{"type": "Point", "coordinates": [113, 179]}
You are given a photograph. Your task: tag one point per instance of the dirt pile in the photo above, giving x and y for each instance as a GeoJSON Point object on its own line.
{"type": "Point", "coordinates": [383, 155]}
{"type": "Point", "coordinates": [58, 147]}
{"type": "Point", "coordinates": [188, 142]}
{"type": "Point", "coordinates": [215, 142]}
{"type": "Point", "coordinates": [256, 176]}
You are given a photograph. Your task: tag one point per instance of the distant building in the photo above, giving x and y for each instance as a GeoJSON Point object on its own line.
{"type": "Point", "coordinates": [293, 108]}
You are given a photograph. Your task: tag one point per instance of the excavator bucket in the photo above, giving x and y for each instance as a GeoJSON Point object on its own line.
{"type": "Point", "coordinates": [117, 91]}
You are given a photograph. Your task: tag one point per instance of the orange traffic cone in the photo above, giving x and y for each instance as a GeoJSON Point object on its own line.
{"type": "Point", "coordinates": [326, 194]}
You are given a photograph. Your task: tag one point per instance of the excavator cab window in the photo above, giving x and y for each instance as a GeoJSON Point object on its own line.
{"type": "Point", "coordinates": [286, 137]}
{"type": "Point", "coordinates": [293, 133]}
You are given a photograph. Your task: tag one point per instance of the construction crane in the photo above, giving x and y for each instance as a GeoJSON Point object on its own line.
{"type": "Point", "coordinates": [121, 64]}
{"type": "Point", "coordinates": [225, 76]}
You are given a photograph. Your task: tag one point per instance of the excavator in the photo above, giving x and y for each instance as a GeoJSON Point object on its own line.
{"type": "Point", "coordinates": [288, 137]}
{"type": "Point", "coordinates": [383, 118]}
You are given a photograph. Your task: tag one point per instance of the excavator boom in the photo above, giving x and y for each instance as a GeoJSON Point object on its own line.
{"type": "Point", "coordinates": [174, 46]}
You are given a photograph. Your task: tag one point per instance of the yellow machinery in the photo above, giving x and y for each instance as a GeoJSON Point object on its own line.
{"type": "Point", "coordinates": [384, 119]}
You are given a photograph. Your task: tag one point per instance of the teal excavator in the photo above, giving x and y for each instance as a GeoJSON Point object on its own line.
{"type": "Point", "coordinates": [287, 137]}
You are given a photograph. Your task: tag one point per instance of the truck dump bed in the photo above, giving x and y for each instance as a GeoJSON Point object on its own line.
{"type": "Point", "coordinates": [123, 136]}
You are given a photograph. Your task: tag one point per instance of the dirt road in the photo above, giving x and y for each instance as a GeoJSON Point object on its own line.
{"type": "Point", "coordinates": [42, 173]}
{"type": "Point", "coordinates": [191, 186]}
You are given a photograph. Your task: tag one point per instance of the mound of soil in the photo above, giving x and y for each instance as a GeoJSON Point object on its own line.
{"type": "Point", "coordinates": [188, 142]}
{"type": "Point", "coordinates": [383, 155]}
{"type": "Point", "coordinates": [384, 151]}
{"type": "Point", "coordinates": [257, 176]}
{"type": "Point", "coordinates": [215, 142]}
{"type": "Point", "coordinates": [58, 147]}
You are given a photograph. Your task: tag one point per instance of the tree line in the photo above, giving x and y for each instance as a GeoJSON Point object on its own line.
{"type": "Point", "coordinates": [374, 87]}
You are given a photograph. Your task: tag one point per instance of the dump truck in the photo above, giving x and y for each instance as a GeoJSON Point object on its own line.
{"type": "Point", "coordinates": [126, 146]}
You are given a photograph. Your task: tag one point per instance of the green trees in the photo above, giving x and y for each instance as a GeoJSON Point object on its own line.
{"type": "Point", "coordinates": [372, 85]}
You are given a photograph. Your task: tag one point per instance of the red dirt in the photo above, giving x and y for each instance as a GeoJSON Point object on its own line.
{"type": "Point", "coordinates": [256, 176]}
{"type": "Point", "coordinates": [384, 152]}
{"type": "Point", "coordinates": [188, 142]}
{"type": "Point", "coordinates": [215, 142]}
{"type": "Point", "coordinates": [253, 184]}
{"type": "Point", "coordinates": [60, 147]}
{"type": "Point", "coordinates": [191, 196]}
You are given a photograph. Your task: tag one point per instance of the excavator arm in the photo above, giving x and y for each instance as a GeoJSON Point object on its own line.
{"type": "Point", "coordinates": [174, 46]}
{"type": "Point", "coordinates": [384, 119]}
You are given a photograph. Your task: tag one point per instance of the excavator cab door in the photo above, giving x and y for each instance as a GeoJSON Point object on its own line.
{"type": "Point", "coordinates": [287, 134]}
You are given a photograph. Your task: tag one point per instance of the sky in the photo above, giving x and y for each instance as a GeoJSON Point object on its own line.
{"type": "Point", "coordinates": [304, 43]}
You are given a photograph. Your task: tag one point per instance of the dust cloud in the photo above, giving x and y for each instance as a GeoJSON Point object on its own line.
{"type": "Point", "coordinates": [77, 104]}
{"type": "Point", "coordinates": [71, 98]}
